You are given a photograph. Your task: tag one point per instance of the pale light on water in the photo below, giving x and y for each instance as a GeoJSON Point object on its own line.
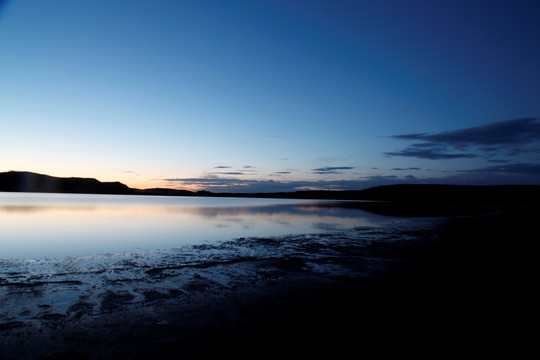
{"type": "Point", "coordinates": [56, 225]}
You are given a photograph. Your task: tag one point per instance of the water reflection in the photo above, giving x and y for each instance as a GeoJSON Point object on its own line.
{"type": "Point", "coordinates": [38, 225]}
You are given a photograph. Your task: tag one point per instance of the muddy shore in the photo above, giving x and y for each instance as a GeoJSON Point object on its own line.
{"type": "Point", "coordinates": [435, 286]}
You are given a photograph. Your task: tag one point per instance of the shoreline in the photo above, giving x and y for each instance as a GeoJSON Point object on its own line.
{"type": "Point", "coordinates": [402, 292]}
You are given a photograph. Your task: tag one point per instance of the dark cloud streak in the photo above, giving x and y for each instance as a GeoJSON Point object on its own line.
{"type": "Point", "coordinates": [331, 170]}
{"type": "Point", "coordinates": [215, 184]}
{"type": "Point", "coordinates": [521, 168]}
{"type": "Point", "coordinates": [430, 154]}
{"type": "Point", "coordinates": [510, 137]}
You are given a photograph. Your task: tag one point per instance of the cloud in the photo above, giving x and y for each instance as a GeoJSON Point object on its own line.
{"type": "Point", "coordinates": [217, 184]}
{"type": "Point", "coordinates": [206, 181]}
{"type": "Point", "coordinates": [509, 137]}
{"type": "Point", "coordinates": [130, 172]}
{"type": "Point", "coordinates": [520, 169]}
{"type": "Point", "coordinates": [247, 169]}
{"type": "Point", "coordinates": [331, 170]}
{"type": "Point", "coordinates": [431, 154]}
{"type": "Point", "coordinates": [402, 169]}
{"type": "Point", "coordinates": [514, 132]}
{"type": "Point", "coordinates": [517, 174]}
{"type": "Point", "coordinates": [523, 173]}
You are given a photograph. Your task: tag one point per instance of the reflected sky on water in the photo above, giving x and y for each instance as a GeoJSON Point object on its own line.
{"type": "Point", "coordinates": [57, 225]}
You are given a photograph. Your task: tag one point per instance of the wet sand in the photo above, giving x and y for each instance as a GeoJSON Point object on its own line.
{"type": "Point", "coordinates": [430, 286]}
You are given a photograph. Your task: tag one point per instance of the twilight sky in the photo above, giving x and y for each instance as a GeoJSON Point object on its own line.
{"type": "Point", "coordinates": [268, 95]}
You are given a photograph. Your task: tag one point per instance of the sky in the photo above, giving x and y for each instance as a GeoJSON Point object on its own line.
{"type": "Point", "coordinates": [266, 96]}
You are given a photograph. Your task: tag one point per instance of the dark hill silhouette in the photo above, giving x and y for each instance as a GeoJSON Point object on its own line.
{"type": "Point", "coordinates": [447, 200]}
{"type": "Point", "coordinates": [163, 192]}
{"type": "Point", "coordinates": [416, 193]}
{"type": "Point", "coordinates": [399, 200]}
{"type": "Point", "coordinates": [425, 200]}
{"type": "Point", "coordinates": [22, 181]}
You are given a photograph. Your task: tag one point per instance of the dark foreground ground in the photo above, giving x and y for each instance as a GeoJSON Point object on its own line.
{"type": "Point", "coordinates": [460, 288]}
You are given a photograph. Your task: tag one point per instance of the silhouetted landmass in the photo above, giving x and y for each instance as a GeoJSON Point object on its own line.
{"type": "Point", "coordinates": [397, 200]}
{"type": "Point", "coordinates": [421, 200]}
{"type": "Point", "coordinates": [163, 192]}
{"type": "Point", "coordinates": [436, 200]}
{"type": "Point", "coordinates": [417, 290]}
{"type": "Point", "coordinates": [22, 181]}
{"type": "Point", "coordinates": [416, 192]}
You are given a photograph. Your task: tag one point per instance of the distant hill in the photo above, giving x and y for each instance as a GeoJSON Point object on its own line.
{"type": "Point", "coordinates": [404, 199]}
{"type": "Point", "coordinates": [451, 193]}
{"type": "Point", "coordinates": [425, 200]}
{"type": "Point", "coordinates": [22, 181]}
{"type": "Point", "coordinates": [447, 200]}
{"type": "Point", "coordinates": [416, 193]}
{"type": "Point", "coordinates": [163, 192]}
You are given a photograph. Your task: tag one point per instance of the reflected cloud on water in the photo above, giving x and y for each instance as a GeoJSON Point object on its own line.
{"type": "Point", "coordinates": [38, 225]}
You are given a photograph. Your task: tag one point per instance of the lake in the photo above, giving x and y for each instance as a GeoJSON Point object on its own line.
{"type": "Point", "coordinates": [37, 225]}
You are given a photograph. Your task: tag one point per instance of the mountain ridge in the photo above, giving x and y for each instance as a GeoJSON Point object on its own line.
{"type": "Point", "coordinates": [24, 181]}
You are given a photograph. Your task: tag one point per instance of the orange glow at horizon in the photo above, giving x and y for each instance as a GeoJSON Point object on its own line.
{"type": "Point", "coordinates": [154, 183]}
{"type": "Point", "coordinates": [149, 182]}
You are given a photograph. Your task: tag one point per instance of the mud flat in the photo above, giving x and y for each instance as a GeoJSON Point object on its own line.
{"type": "Point", "coordinates": [419, 286]}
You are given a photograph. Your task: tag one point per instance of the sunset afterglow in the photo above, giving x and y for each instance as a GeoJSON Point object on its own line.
{"type": "Point", "coordinates": [249, 96]}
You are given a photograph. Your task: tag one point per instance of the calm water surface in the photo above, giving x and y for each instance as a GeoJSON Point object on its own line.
{"type": "Point", "coordinates": [56, 225]}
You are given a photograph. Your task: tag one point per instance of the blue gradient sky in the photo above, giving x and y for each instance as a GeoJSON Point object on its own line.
{"type": "Point", "coordinates": [271, 95]}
